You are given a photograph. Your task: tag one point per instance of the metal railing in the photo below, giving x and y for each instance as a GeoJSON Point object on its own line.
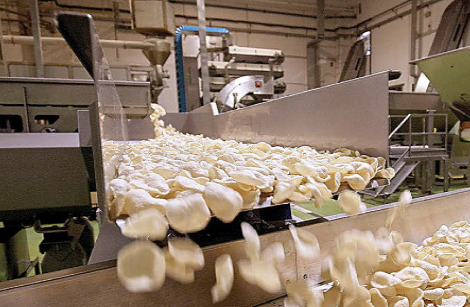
{"type": "Point", "coordinates": [427, 134]}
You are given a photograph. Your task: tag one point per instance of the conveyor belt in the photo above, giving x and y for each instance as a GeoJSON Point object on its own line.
{"type": "Point", "coordinates": [98, 285]}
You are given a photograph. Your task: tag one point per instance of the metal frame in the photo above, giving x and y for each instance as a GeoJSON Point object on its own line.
{"type": "Point", "coordinates": [426, 133]}
{"type": "Point", "coordinates": [424, 216]}
{"type": "Point", "coordinates": [318, 117]}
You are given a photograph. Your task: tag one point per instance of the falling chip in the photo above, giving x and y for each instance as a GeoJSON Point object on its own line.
{"type": "Point", "coordinates": [261, 273]}
{"type": "Point", "coordinates": [300, 294]}
{"type": "Point", "coordinates": [188, 213]}
{"type": "Point", "coordinates": [224, 278]}
{"type": "Point", "coordinates": [149, 223]}
{"type": "Point", "coordinates": [350, 202]}
{"type": "Point", "coordinates": [252, 244]}
{"type": "Point", "coordinates": [187, 252]}
{"type": "Point", "coordinates": [306, 243]}
{"type": "Point", "coordinates": [137, 200]}
{"type": "Point", "coordinates": [224, 202]}
{"type": "Point", "coordinates": [176, 270]}
{"type": "Point", "coordinates": [141, 267]}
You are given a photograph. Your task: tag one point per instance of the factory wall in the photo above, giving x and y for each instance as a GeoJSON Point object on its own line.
{"type": "Point", "coordinates": [291, 34]}
{"type": "Point", "coordinates": [391, 42]}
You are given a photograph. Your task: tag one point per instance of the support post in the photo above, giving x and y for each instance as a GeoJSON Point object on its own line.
{"type": "Point", "coordinates": [36, 27]}
{"type": "Point", "coordinates": [320, 19]}
{"type": "Point", "coordinates": [414, 27]}
{"type": "Point", "coordinates": [2, 57]}
{"type": "Point", "coordinates": [201, 16]}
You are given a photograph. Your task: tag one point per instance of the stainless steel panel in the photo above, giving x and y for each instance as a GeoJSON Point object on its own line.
{"type": "Point", "coordinates": [416, 101]}
{"type": "Point", "coordinates": [351, 114]}
{"type": "Point", "coordinates": [449, 74]}
{"type": "Point", "coordinates": [97, 285]}
{"type": "Point", "coordinates": [69, 92]}
{"type": "Point", "coordinates": [177, 120]}
{"type": "Point", "coordinates": [109, 242]}
{"type": "Point", "coordinates": [33, 175]}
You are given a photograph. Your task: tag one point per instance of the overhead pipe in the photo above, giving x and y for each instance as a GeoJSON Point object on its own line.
{"type": "Point", "coordinates": [29, 40]}
{"type": "Point", "coordinates": [211, 5]}
{"type": "Point", "coordinates": [361, 25]}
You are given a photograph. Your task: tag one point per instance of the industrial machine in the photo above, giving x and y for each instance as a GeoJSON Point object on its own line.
{"type": "Point", "coordinates": [50, 177]}
{"type": "Point", "coordinates": [35, 105]}
{"type": "Point", "coordinates": [301, 119]}
{"type": "Point", "coordinates": [108, 120]}
{"type": "Point", "coordinates": [420, 143]}
{"type": "Point", "coordinates": [238, 76]}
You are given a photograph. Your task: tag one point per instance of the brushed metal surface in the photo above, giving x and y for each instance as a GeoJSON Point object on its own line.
{"type": "Point", "coordinates": [33, 175]}
{"type": "Point", "coordinates": [350, 114]}
{"type": "Point", "coordinates": [416, 101]}
{"type": "Point", "coordinates": [98, 285]}
{"type": "Point", "coordinates": [57, 92]}
{"type": "Point", "coordinates": [449, 74]}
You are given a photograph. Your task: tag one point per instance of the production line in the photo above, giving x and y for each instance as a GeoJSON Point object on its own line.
{"type": "Point", "coordinates": [253, 159]}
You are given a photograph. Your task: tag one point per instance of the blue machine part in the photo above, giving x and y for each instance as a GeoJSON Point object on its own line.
{"type": "Point", "coordinates": [179, 59]}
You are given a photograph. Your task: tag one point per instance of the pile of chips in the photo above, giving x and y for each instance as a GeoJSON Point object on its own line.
{"type": "Point", "coordinates": [382, 270]}
{"type": "Point", "coordinates": [189, 178]}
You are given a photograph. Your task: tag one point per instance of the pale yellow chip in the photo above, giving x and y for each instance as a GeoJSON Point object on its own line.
{"type": "Point", "coordinates": [250, 198]}
{"type": "Point", "coordinates": [224, 278]}
{"type": "Point", "coordinates": [404, 200]}
{"type": "Point", "coordinates": [188, 213]}
{"type": "Point", "coordinates": [252, 243]}
{"type": "Point", "coordinates": [149, 223]}
{"type": "Point", "coordinates": [247, 177]}
{"type": "Point", "coordinates": [332, 297]}
{"type": "Point", "coordinates": [306, 243]}
{"type": "Point", "coordinates": [260, 273]}
{"type": "Point", "coordinates": [350, 202]}
{"type": "Point", "coordinates": [176, 270]}
{"type": "Point", "coordinates": [282, 192]}
{"type": "Point", "coordinates": [398, 301]}
{"type": "Point", "coordinates": [412, 273]}
{"type": "Point", "coordinates": [187, 252]}
{"type": "Point", "coordinates": [274, 253]}
{"type": "Point", "coordinates": [401, 254]}
{"type": "Point", "coordinates": [383, 280]}
{"type": "Point", "coordinates": [345, 274]}
{"type": "Point", "coordinates": [384, 240]}
{"type": "Point", "coordinates": [141, 266]}
{"type": "Point", "coordinates": [181, 183]}
{"type": "Point", "coordinates": [453, 301]}
{"type": "Point", "coordinates": [224, 202]}
{"type": "Point", "coordinates": [433, 294]}
{"type": "Point", "coordinates": [377, 299]}
{"type": "Point", "coordinates": [299, 293]}
{"type": "Point", "coordinates": [118, 189]}
{"type": "Point", "coordinates": [361, 298]}
{"type": "Point", "coordinates": [137, 200]}
{"type": "Point", "coordinates": [355, 181]}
